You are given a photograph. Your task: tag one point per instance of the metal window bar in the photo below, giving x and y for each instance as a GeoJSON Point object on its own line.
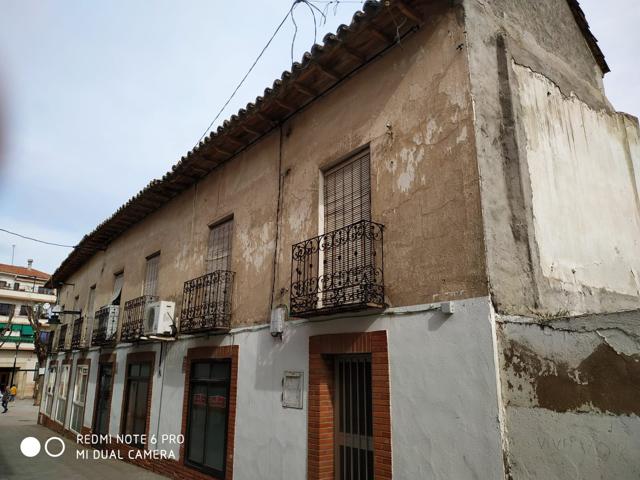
{"type": "Point", "coordinates": [206, 302]}
{"type": "Point", "coordinates": [102, 334]}
{"type": "Point", "coordinates": [132, 322]}
{"type": "Point", "coordinates": [151, 277]}
{"type": "Point", "coordinates": [76, 335]}
{"type": "Point", "coordinates": [62, 337]}
{"type": "Point", "coordinates": [338, 271]}
{"type": "Point", "coordinates": [353, 424]}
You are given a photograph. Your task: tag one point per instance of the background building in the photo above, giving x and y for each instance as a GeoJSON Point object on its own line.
{"type": "Point", "coordinates": [445, 203]}
{"type": "Point", "coordinates": [20, 287]}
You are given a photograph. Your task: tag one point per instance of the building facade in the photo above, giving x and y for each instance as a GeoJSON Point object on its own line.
{"type": "Point", "coordinates": [20, 288]}
{"type": "Point", "coordinates": [415, 256]}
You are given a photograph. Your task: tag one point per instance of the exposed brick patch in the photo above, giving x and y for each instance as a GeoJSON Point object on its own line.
{"type": "Point", "coordinates": [320, 442]}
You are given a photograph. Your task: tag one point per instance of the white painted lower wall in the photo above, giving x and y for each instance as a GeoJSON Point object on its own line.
{"type": "Point", "coordinates": [444, 395]}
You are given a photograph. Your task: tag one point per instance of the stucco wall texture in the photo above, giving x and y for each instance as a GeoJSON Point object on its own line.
{"type": "Point", "coordinates": [412, 108]}
{"type": "Point", "coordinates": [499, 168]}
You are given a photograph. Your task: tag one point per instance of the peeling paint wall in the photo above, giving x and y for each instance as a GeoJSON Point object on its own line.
{"type": "Point", "coordinates": [571, 394]}
{"type": "Point", "coordinates": [558, 167]}
{"type": "Point", "coordinates": [413, 109]}
{"type": "Point", "coordinates": [584, 193]}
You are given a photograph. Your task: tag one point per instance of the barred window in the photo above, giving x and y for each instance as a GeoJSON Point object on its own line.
{"type": "Point", "coordinates": [219, 247]}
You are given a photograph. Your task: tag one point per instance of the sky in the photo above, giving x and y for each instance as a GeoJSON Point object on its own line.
{"type": "Point", "coordinates": [101, 97]}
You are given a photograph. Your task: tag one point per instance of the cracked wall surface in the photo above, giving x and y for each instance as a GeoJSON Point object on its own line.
{"type": "Point", "coordinates": [559, 181]}
{"type": "Point", "coordinates": [558, 166]}
{"type": "Point", "coordinates": [571, 395]}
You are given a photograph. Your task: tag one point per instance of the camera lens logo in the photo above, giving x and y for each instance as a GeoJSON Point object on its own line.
{"type": "Point", "coordinates": [30, 447]}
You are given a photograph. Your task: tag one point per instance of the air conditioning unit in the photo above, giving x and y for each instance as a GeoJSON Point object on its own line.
{"type": "Point", "coordinates": [112, 321]}
{"type": "Point", "coordinates": [158, 318]}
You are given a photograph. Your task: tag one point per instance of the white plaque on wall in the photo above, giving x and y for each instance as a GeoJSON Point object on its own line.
{"type": "Point", "coordinates": [292, 389]}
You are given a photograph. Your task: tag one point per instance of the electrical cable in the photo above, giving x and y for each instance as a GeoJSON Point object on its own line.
{"type": "Point", "coordinates": [37, 240]}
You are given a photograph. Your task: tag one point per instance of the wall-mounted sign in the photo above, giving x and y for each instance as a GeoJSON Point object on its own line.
{"type": "Point", "coordinates": [292, 389]}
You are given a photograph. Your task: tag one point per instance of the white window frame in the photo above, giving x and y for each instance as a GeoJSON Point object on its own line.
{"type": "Point", "coordinates": [63, 389]}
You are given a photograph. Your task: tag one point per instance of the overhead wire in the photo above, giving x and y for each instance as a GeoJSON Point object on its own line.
{"type": "Point", "coordinates": [37, 239]}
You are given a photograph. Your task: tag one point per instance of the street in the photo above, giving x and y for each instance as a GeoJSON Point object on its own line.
{"type": "Point", "coordinates": [20, 422]}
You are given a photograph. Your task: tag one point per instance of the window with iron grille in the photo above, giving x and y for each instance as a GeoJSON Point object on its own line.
{"type": "Point", "coordinates": [136, 396]}
{"type": "Point", "coordinates": [151, 276]}
{"type": "Point", "coordinates": [206, 439]}
{"type": "Point", "coordinates": [219, 247]}
{"type": "Point", "coordinates": [353, 424]}
{"type": "Point", "coordinates": [23, 311]}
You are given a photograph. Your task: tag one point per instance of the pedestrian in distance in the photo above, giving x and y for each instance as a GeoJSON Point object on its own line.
{"type": "Point", "coordinates": [4, 397]}
{"type": "Point", "coordinates": [13, 391]}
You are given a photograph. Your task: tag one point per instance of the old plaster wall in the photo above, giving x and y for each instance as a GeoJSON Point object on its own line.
{"type": "Point", "coordinates": [549, 147]}
{"type": "Point", "coordinates": [412, 107]}
{"type": "Point", "coordinates": [414, 111]}
{"type": "Point", "coordinates": [582, 166]}
{"type": "Point", "coordinates": [571, 394]}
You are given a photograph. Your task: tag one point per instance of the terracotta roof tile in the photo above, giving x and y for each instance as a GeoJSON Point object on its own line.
{"type": "Point", "coordinates": [23, 271]}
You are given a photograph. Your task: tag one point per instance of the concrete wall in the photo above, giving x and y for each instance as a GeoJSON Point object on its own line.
{"type": "Point", "coordinates": [412, 107]}
{"type": "Point", "coordinates": [571, 390]}
{"type": "Point", "coordinates": [444, 394]}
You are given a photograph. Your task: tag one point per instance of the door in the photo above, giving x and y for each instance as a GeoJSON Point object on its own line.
{"type": "Point", "coordinates": [346, 259]}
{"type": "Point", "coordinates": [353, 424]}
{"type": "Point", "coordinates": [105, 376]}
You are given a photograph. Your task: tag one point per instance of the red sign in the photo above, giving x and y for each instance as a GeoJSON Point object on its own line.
{"type": "Point", "coordinates": [199, 400]}
{"type": "Point", "coordinates": [217, 401]}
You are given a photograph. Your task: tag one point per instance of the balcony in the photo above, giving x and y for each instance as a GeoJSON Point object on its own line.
{"type": "Point", "coordinates": [338, 271]}
{"type": "Point", "coordinates": [133, 319]}
{"type": "Point", "coordinates": [76, 334]}
{"type": "Point", "coordinates": [62, 338]}
{"type": "Point", "coordinates": [206, 303]}
{"type": "Point", "coordinates": [106, 322]}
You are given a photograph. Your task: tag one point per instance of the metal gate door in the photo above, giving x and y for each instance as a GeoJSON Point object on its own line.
{"type": "Point", "coordinates": [353, 419]}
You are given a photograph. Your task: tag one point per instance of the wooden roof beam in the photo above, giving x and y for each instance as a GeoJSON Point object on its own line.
{"type": "Point", "coordinates": [408, 12]}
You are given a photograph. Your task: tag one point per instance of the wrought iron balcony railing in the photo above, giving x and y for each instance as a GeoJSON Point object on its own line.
{"type": "Point", "coordinates": [206, 302]}
{"type": "Point", "coordinates": [105, 325]}
{"type": "Point", "coordinates": [76, 334]}
{"type": "Point", "coordinates": [133, 318]}
{"type": "Point", "coordinates": [62, 338]}
{"type": "Point", "coordinates": [338, 271]}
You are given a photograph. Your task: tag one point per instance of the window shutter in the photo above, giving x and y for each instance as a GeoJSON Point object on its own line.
{"type": "Point", "coordinates": [219, 247]}
{"type": "Point", "coordinates": [347, 193]}
{"type": "Point", "coordinates": [151, 278]}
